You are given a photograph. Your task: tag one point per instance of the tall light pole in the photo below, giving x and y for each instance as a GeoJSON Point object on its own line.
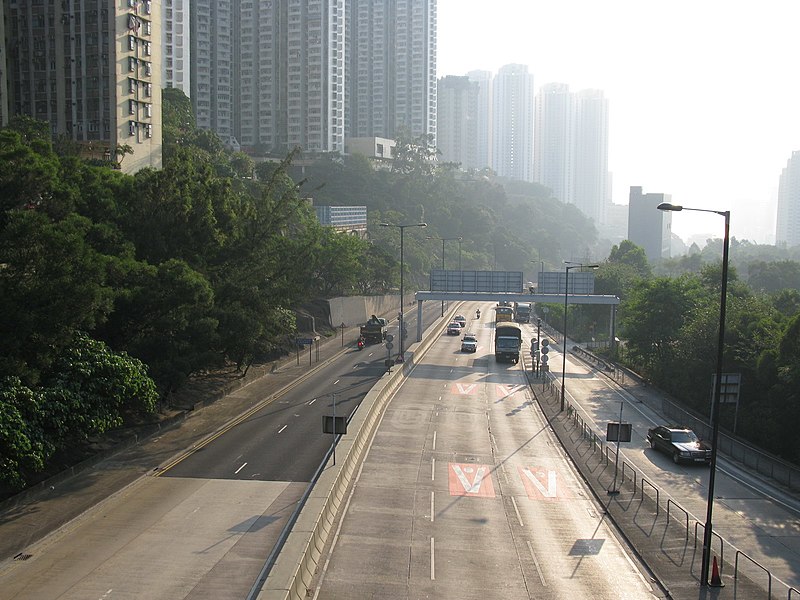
{"type": "Point", "coordinates": [402, 229]}
{"type": "Point", "coordinates": [458, 239]}
{"type": "Point", "coordinates": [707, 536]}
{"type": "Point", "coordinates": [569, 266]}
{"type": "Point", "coordinates": [542, 270]}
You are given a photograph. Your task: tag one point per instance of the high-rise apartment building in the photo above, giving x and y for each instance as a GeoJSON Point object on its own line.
{"type": "Point", "coordinates": [92, 70]}
{"type": "Point", "coordinates": [211, 66]}
{"type": "Point", "coordinates": [512, 123]}
{"type": "Point", "coordinates": [571, 148]}
{"type": "Point", "coordinates": [787, 228]}
{"type": "Point", "coordinates": [591, 179]}
{"type": "Point", "coordinates": [554, 141]}
{"type": "Point", "coordinates": [457, 110]}
{"type": "Point", "coordinates": [289, 75]}
{"type": "Point", "coordinates": [391, 83]}
{"type": "Point", "coordinates": [175, 36]}
{"type": "Point", "coordinates": [483, 118]}
{"type": "Point", "coordinates": [649, 227]}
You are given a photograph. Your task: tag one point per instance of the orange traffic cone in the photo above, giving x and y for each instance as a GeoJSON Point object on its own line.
{"type": "Point", "coordinates": [716, 581]}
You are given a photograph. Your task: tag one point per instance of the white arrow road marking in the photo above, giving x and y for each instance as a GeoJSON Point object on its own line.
{"type": "Point", "coordinates": [550, 491]}
{"type": "Point", "coordinates": [475, 486]}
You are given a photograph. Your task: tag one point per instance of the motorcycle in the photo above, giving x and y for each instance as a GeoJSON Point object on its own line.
{"type": "Point", "coordinates": [478, 314]}
{"type": "Point", "coordinates": [361, 343]}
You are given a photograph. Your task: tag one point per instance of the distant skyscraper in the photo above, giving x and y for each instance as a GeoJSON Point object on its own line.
{"type": "Point", "coordinates": [591, 178]}
{"type": "Point", "coordinates": [290, 74]}
{"type": "Point", "coordinates": [483, 126]}
{"type": "Point", "coordinates": [457, 109]}
{"type": "Point", "coordinates": [175, 35]}
{"type": "Point", "coordinates": [554, 141]}
{"type": "Point", "coordinates": [787, 229]}
{"type": "Point", "coordinates": [512, 123]}
{"type": "Point", "coordinates": [92, 69]}
{"type": "Point", "coordinates": [649, 227]}
{"type": "Point", "coordinates": [571, 148]}
{"type": "Point", "coordinates": [391, 82]}
{"type": "Point", "coordinates": [211, 69]}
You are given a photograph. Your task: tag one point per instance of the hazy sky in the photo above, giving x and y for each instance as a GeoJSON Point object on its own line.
{"type": "Point", "coordinates": [704, 95]}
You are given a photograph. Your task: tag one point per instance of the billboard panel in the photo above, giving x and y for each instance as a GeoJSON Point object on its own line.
{"type": "Point", "coordinates": [476, 281]}
{"type": "Point", "coordinates": [553, 282]}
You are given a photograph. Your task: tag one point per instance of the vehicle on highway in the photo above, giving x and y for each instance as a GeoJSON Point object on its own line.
{"type": "Point", "coordinates": [503, 314]}
{"type": "Point", "coordinates": [507, 342]}
{"type": "Point", "coordinates": [681, 443]}
{"type": "Point", "coordinates": [461, 320]}
{"type": "Point", "coordinates": [469, 343]}
{"type": "Point", "coordinates": [454, 328]}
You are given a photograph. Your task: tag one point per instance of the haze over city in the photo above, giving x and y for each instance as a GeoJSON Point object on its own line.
{"type": "Point", "coordinates": [703, 96]}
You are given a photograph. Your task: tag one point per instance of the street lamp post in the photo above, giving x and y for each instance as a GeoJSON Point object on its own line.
{"type": "Point", "coordinates": [402, 229]}
{"type": "Point", "coordinates": [564, 345]}
{"type": "Point", "coordinates": [707, 530]}
{"type": "Point", "coordinates": [458, 239]}
{"type": "Point", "coordinates": [542, 270]}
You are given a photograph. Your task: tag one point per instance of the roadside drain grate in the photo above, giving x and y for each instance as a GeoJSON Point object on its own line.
{"type": "Point", "coordinates": [22, 556]}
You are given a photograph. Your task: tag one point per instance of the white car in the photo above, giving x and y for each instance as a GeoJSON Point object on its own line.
{"type": "Point", "coordinates": [469, 343]}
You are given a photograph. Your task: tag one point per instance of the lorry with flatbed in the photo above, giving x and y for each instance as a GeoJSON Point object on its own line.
{"type": "Point", "coordinates": [507, 342]}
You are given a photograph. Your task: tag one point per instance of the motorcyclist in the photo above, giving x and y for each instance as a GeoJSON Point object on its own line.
{"type": "Point", "coordinates": [361, 342]}
{"type": "Point", "coordinates": [478, 313]}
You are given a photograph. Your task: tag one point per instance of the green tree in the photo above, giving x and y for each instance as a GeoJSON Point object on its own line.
{"type": "Point", "coordinates": [22, 447]}
{"type": "Point", "coordinates": [654, 315]}
{"type": "Point", "coordinates": [51, 284]}
{"type": "Point", "coordinates": [628, 253]}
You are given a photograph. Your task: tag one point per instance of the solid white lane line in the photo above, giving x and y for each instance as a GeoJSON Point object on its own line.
{"type": "Point", "coordinates": [236, 472]}
{"type": "Point", "coordinates": [431, 507]}
{"type": "Point", "coordinates": [282, 428]}
{"type": "Point", "coordinates": [433, 570]}
{"type": "Point", "coordinates": [516, 510]}
{"type": "Point", "coordinates": [536, 564]}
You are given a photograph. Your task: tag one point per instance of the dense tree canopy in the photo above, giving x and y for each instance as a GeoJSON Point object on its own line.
{"type": "Point", "coordinates": [115, 288]}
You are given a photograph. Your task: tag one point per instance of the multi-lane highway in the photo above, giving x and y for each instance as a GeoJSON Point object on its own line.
{"type": "Point", "coordinates": [202, 524]}
{"type": "Point", "coordinates": [466, 493]}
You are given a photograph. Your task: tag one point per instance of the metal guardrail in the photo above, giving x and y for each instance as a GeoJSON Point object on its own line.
{"type": "Point", "coordinates": [762, 462]}
{"type": "Point", "coordinates": [588, 434]}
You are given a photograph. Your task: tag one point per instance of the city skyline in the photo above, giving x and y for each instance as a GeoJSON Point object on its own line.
{"type": "Point", "coordinates": [702, 101]}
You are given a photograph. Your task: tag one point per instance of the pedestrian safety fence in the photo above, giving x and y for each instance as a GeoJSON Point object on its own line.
{"type": "Point", "coordinates": [584, 434]}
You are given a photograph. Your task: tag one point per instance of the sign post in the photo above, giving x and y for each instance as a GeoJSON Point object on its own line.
{"type": "Point", "coordinates": [617, 432]}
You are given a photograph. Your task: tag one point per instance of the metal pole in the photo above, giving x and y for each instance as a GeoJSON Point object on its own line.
{"type": "Point", "coordinates": [400, 319]}
{"type": "Point", "coordinates": [614, 489]}
{"type": "Point", "coordinates": [707, 536]}
{"type": "Point", "coordinates": [444, 274]}
{"type": "Point", "coordinates": [538, 337]}
{"type": "Point", "coordinates": [334, 429]}
{"type": "Point", "coordinates": [564, 345]}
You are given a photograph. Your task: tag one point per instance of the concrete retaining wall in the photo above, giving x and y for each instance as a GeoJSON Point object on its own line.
{"type": "Point", "coordinates": [355, 310]}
